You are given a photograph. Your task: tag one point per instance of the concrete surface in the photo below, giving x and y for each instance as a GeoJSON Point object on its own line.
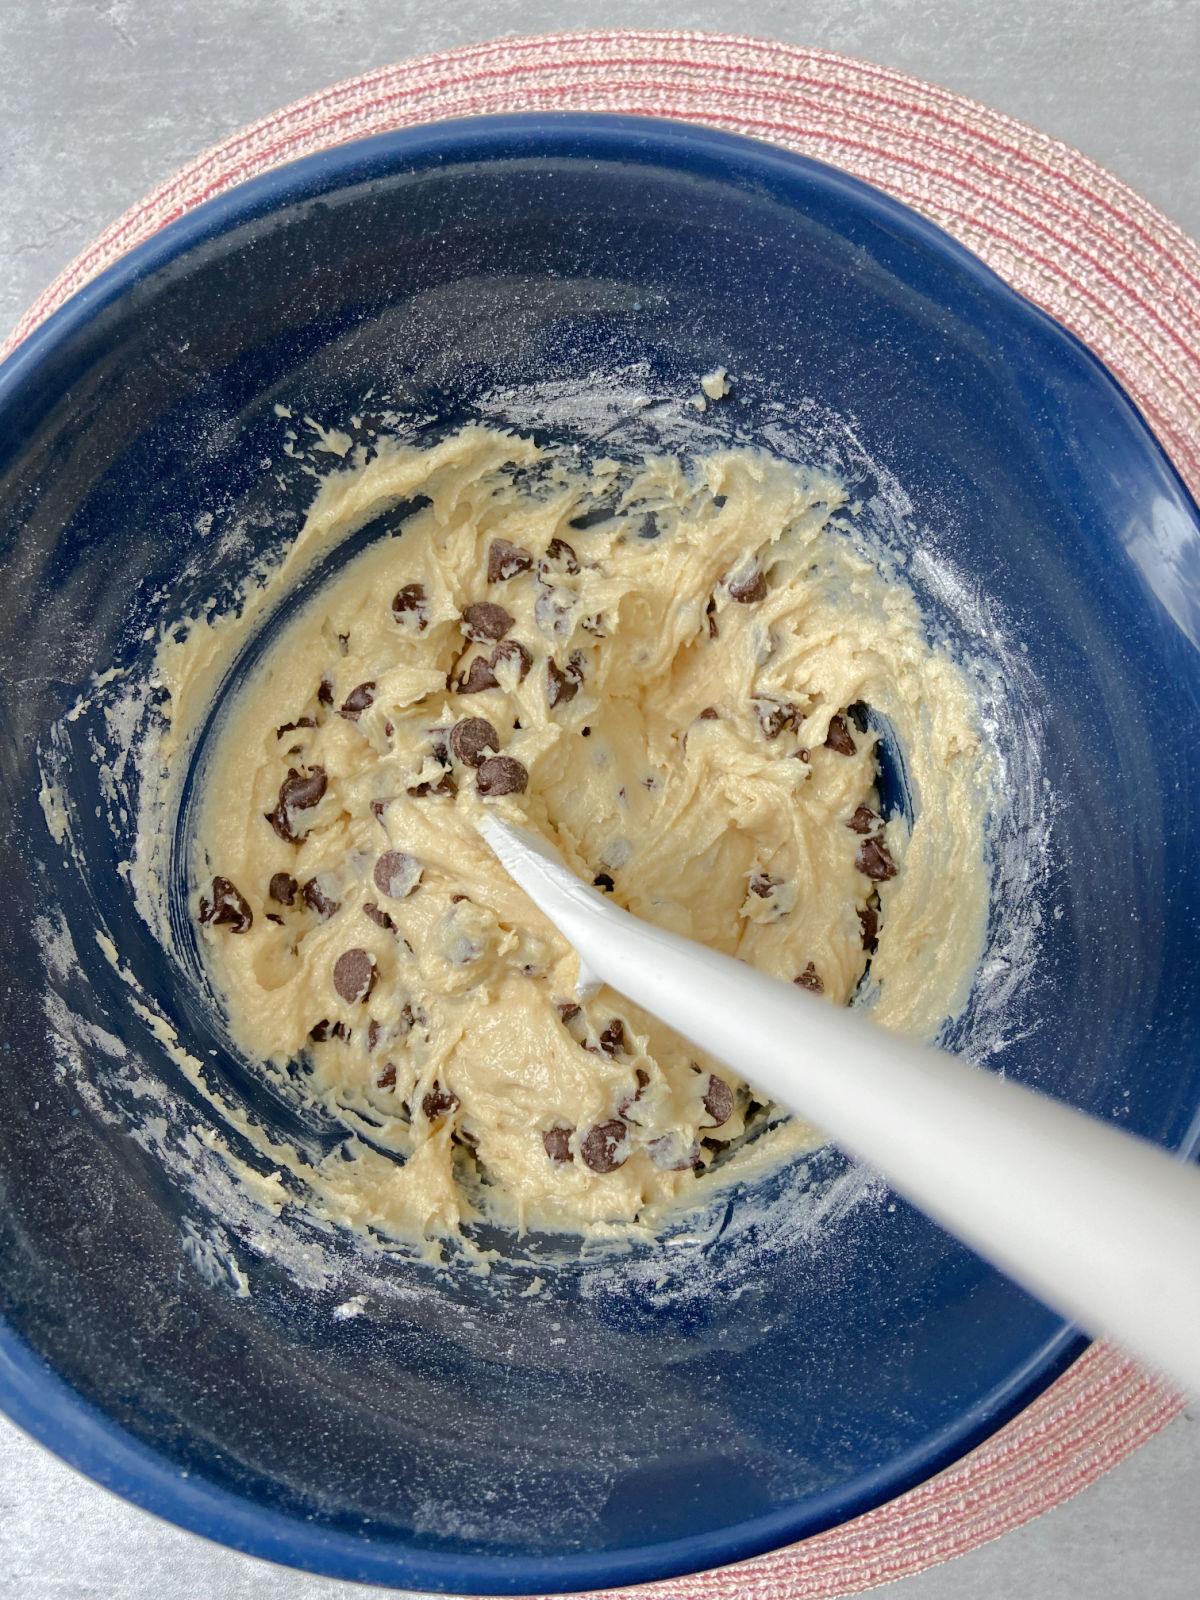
{"type": "Point", "coordinates": [100, 99]}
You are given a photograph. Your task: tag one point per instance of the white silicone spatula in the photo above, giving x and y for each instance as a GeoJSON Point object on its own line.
{"type": "Point", "coordinates": [1100, 1224]}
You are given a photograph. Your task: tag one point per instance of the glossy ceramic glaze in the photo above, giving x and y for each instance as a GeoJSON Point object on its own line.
{"type": "Point", "coordinates": [611, 1428]}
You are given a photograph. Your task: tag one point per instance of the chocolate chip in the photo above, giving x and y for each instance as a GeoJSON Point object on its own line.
{"type": "Point", "coordinates": [271, 917]}
{"type": "Point", "coordinates": [299, 791]}
{"type": "Point", "coordinates": [373, 1032]}
{"type": "Point", "coordinates": [868, 921]}
{"type": "Point", "coordinates": [558, 1143]}
{"type": "Point", "coordinates": [470, 738]}
{"type": "Point", "coordinates": [709, 714]}
{"type": "Point", "coordinates": [409, 602]}
{"type": "Point", "coordinates": [228, 905]}
{"type": "Point", "coordinates": [568, 1010]}
{"type": "Point", "coordinates": [378, 917]}
{"type": "Point", "coordinates": [506, 560]}
{"type": "Point", "coordinates": [501, 775]}
{"type": "Point", "coordinates": [749, 588]}
{"type": "Point", "coordinates": [710, 611]}
{"type": "Point", "coordinates": [718, 1101]}
{"type": "Point", "coordinates": [875, 861]}
{"type": "Point", "coordinates": [762, 884]}
{"type": "Point", "coordinates": [604, 1148]}
{"type": "Point", "coordinates": [396, 874]}
{"type": "Point", "coordinates": [859, 714]}
{"type": "Point", "coordinates": [290, 727]}
{"type": "Point", "coordinates": [774, 716]}
{"type": "Point", "coordinates": [320, 1031]}
{"type": "Point", "coordinates": [510, 650]}
{"type": "Point", "coordinates": [283, 888]}
{"type": "Point", "coordinates": [325, 691]}
{"type": "Point", "coordinates": [344, 643]}
{"type": "Point", "coordinates": [603, 881]}
{"type": "Point", "coordinates": [438, 1101]}
{"type": "Point", "coordinates": [410, 1018]}
{"type": "Point", "coordinates": [485, 620]}
{"type": "Point", "coordinates": [864, 820]}
{"type": "Point", "coordinates": [563, 683]}
{"type": "Point", "coordinates": [612, 1038]}
{"type": "Point", "coordinates": [444, 788]}
{"type": "Point", "coordinates": [387, 1078]}
{"type": "Point", "coordinates": [838, 738]}
{"type": "Point", "coordinates": [354, 975]}
{"type": "Point", "coordinates": [670, 1154]}
{"type": "Point", "coordinates": [803, 754]}
{"type": "Point", "coordinates": [481, 674]}
{"type": "Point", "coordinates": [811, 980]}
{"type": "Point", "coordinates": [317, 900]}
{"type": "Point", "coordinates": [378, 807]}
{"type": "Point", "coordinates": [559, 557]}
{"type": "Point", "coordinates": [715, 1145]}
{"type": "Point", "coordinates": [357, 701]}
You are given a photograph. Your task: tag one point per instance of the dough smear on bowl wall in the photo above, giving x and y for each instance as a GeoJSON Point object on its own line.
{"type": "Point", "coordinates": [677, 667]}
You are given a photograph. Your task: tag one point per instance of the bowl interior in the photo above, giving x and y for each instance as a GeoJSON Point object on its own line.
{"type": "Point", "coordinates": [810, 1347]}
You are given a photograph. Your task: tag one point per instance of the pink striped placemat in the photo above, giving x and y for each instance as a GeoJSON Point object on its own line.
{"type": "Point", "coordinates": [1063, 231]}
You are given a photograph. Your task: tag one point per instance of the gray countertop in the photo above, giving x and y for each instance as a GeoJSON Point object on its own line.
{"type": "Point", "coordinates": [101, 99]}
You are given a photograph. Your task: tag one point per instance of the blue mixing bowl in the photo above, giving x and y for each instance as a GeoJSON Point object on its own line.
{"type": "Point", "coordinates": [813, 1346]}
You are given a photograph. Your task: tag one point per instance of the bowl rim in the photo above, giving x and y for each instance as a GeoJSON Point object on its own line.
{"type": "Point", "coordinates": [41, 1402]}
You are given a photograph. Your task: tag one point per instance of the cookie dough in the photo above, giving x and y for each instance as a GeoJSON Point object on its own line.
{"type": "Point", "coordinates": [667, 669]}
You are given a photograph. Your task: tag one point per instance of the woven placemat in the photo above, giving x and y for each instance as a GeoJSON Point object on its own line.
{"type": "Point", "coordinates": [1060, 229]}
